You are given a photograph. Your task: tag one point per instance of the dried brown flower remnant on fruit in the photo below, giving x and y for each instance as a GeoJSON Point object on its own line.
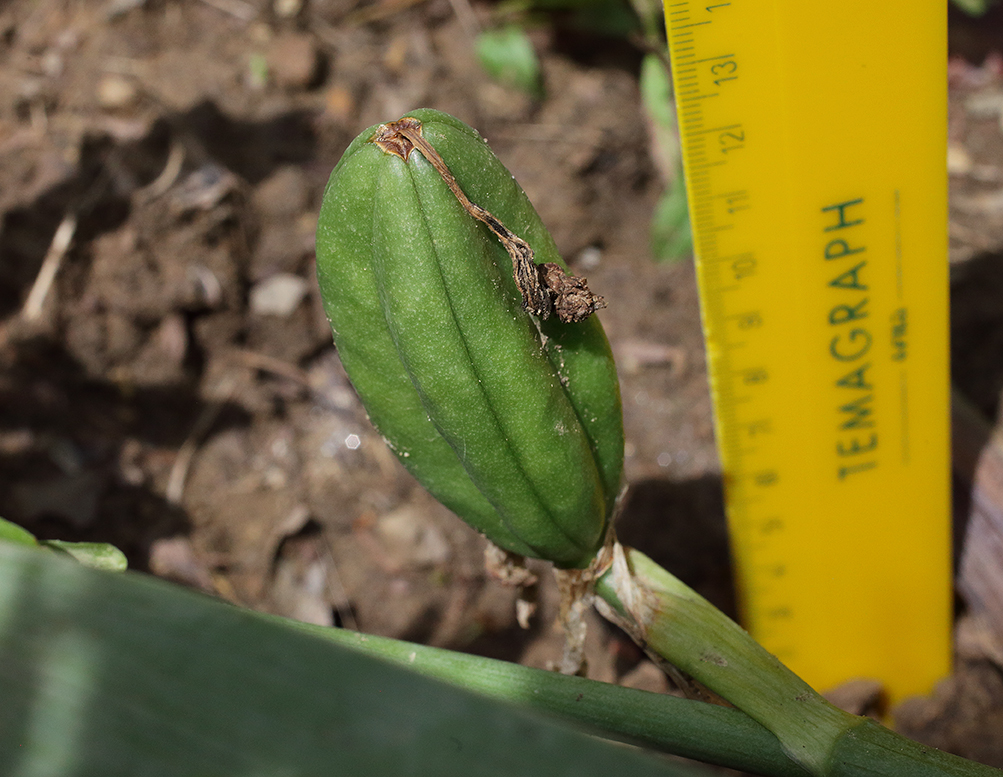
{"type": "Point", "coordinates": [545, 288]}
{"type": "Point", "coordinates": [572, 299]}
{"type": "Point", "coordinates": [390, 137]}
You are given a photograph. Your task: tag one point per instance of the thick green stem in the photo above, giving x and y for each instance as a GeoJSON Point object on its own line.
{"type": "Point", "coordinates": [693, 729]}
{"type": "Point", "coordinates": [871, 750]}
{"type": "Point", "coordinates": [673, 621]}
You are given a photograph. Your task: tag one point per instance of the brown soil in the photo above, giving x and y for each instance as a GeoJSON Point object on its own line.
{"type": "Point", "coordinates": [175, 390]}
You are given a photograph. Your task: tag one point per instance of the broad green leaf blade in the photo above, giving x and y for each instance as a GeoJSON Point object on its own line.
{"type": "Point", "coordinates": [119, 674]}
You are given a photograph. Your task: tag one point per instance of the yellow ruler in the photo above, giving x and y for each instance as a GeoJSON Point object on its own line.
{"type": "Point", "coordinates": [814, 137]}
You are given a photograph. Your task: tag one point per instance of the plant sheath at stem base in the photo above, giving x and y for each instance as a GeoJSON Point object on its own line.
{"type": "Point", "coordinates": [670, 619]}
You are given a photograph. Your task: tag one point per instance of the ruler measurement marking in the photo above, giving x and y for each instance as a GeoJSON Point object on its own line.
{"type": "Point", "coordinates": [737, 407]}
{"type": "Point", "coordinates": [711, 59]}
{"type": "Point", "coordinates": [706, 197]}
{"type": "Point", "coordinates": [728, 258]}
{"type": "Point", "coordinates": [716, 129]}
{"type": "Point", "coordinates": [716, 163]}
{"type": "Point", "coordinates": [898, 245]}
{"type": "Point", "coordinates": [695, 156]}
{"type": "Point", "coordinates": [738, 194]}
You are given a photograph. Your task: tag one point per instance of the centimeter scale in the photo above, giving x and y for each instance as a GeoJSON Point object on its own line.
{"type": "Point", "coordinates": [814, 137]}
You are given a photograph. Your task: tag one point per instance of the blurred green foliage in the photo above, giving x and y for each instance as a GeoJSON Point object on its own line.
{"type": "Point", "coordinates": [671, 238]}
{"type": "Point", "coordinates": [974, 7]}
{"type": "Point", "coordinates": [114, 675]}
{"type": "Point", "coordinates": [97, 555]}
{"type": "Point", "coordinates": [507, 55]}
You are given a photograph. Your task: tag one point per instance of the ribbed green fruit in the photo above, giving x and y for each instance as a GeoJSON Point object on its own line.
{"type": "Point", "coordinates": [513, 423]}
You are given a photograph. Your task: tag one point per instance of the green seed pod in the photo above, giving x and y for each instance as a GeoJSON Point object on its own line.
{"type": "Point", "coordinates": [512, 421]}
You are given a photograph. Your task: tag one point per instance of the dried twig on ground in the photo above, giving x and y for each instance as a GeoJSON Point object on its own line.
{"type": "Point", "coordinates": [50, 267]}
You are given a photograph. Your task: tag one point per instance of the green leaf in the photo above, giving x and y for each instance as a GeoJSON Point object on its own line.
{"type": "Point", "coordinates": [652, 16]}
{"type": "Point", "coordinates": [115, 675]}
{"type": "Point", "coordinates": [671, 235]}
{"type": "Point", "coordinates": [656, 98]}
{"type": "Point", "coordinates": [257, 71]}
{"type": "Point", "coordinates": [704, 732]}
{"type": "Point", "coordinates": [975, 7]}
{"type": "Point", "coordinates": [11, 532]}
{"type": "Point", "coordinates": [507, 56]}
{"type": "Point", "coordinates": [99, 555]}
